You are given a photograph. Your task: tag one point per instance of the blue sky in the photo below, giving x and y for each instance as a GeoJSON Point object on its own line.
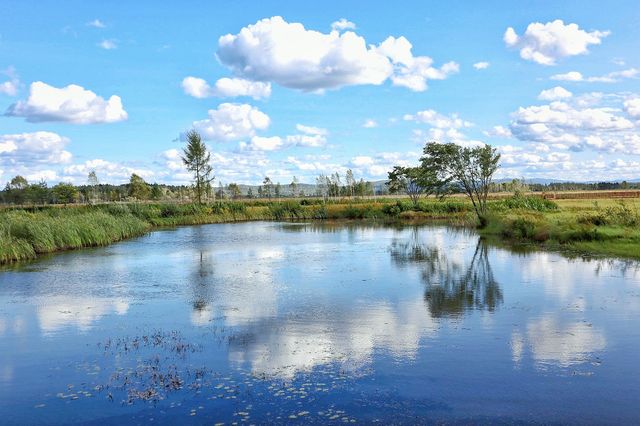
{"type": "Point", "coordinates": [276, 91]}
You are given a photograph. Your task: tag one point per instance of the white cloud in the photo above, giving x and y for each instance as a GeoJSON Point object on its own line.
{"type": "Point", "coordinates": [72, 104]}
{"type": "Point", "coordinates": [106, 170]}
{"type": "Point", "coordinates": [312, 137]}
{"type": "Point", "coordinates": [96, 23]}
{"type": "Point", "coordinates": [370, 123]}
{"type": "Point", "coordinates": [226, 87]}
{"type": "Point", "coordinates": [10, 87]}
{"type": "Point", "coordinates": [232, 122]}
{"type": "Point", "coordinates": [379, 165]}
{"type": "Point", "coordinates": [566, 125]}
{"type": "Point", "coordinates": [310, 130]}
{"type": "Point", "coordinates": [438, 120]}
{"type": "Point", "coordinates": [108, 44]}
{"type": "Point", "coordinates": [481, 65]}
{"type": "Point", "coordinates": [273, 50]}
{"type": "Point", "coordinates": [32, 148]}
{"type": "Point", "coordinates": [259, 143]}
{"type": "Point", "coordinates": [498, 131]}
{"type": "Point", "coordinates": [554, 94]}
{"type": "Point", "coordinates": [632, 107]}
{"type": "Point", "coordinates": [343, 24]}
{"type": "Point", "coordinates": [413, 71]}
{"type": "Point", "coordinates": [612, 77]}
{"type": "Point", "coordinates": [569, 76]}
{"type": "Point", "coordinates": [445, 128]}
{"type": "Point", "coordinates": [546, 43]}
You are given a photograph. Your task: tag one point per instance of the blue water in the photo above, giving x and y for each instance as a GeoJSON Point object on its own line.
{"type": "Point", "coordinates": [310, 323]}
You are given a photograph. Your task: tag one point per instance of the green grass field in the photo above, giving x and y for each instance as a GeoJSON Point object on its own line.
{"type": "Point", "coordinates": [603, 227]}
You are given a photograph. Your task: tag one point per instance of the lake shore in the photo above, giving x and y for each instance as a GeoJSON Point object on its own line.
{"type": "Point", "coordinates": [606, 227]}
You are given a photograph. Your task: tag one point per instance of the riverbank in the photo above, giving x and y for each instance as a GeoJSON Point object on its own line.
{"type": "Point", "coordinates": [604, 227]}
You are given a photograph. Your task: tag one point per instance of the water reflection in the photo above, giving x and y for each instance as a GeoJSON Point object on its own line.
{"type": "Point", "coordinates": [451, 287]}
{"type": "Point", "coordinates": [552, 343]}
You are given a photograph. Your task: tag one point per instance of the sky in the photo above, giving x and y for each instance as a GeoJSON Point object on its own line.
{"type": "Point", "coordinates": [285, 89]}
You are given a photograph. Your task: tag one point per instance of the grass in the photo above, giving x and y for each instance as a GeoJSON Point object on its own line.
{"type": "Point", "coordinates": [606, 227]}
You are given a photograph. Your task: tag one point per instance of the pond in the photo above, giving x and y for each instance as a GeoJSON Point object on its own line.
{"type": "Point", "coordinates": [268, 322]}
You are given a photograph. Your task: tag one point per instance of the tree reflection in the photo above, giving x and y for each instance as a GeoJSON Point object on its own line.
{"type": "Point", "coordinates": [451, 288]}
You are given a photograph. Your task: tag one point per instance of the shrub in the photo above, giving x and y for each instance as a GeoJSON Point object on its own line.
{"type": "Point", "coordinates": [525, 203]}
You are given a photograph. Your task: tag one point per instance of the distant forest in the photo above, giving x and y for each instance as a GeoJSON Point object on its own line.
{"type": "Point", "coordinates": [19, 191]}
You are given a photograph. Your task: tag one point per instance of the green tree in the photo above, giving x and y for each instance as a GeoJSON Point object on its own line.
{"type": "Point", "coordinates": [64, 193]}
{"type": "Point", "coordinates": [196, 157]}
{"type": "Point", "coordinates": [15, 190]}
{"type": "Point", "coordinates": [414, 181]}
{"type": "Point", "coordinates": [277, 190]}
{"type": "Point", "coordinates": [138, 188]}
{"type": "Point", "coordinates": [156, 192]}
{"type": "Point", "coordinates": [234, 190]}
{"type": "Point", "coordinates": [350, 182]}
{"type": "Point", "coordinates": [250, 193]}
{"type": "Point", "coordinates": [471, 169]}
{"type": "Point", "coordinates": [37, 193]}
{"type": "Point", "coordinates": [267, 187]}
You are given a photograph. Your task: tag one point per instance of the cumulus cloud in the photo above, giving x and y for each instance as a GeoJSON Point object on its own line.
{"type": "Point", "coordinates": [632, 107]}
{"type": "Point", "coordinates": [226, 88]}
{"type": "Point", "coordinates": [107, 170]}
{"type": "Point", "coordinates": [274, 50]}
{"type": "Point", "coordinates": [343, 24]}
{"type": "Point", "coordinates": [108, 44]}
{"type": "Point", "coordinates": [312, 137]}
{"type": "Point", "coordinates": [10, 87]}
{"type": "Point", "coordinates": [411, 71]}
{"type": "Point", "coordinates": [310, 130]}
{"type": "Point", "coordinates": [379, 165]}
{"type": "Point", "coordinates": [481, 65]}
{"type": "Point", "coordinates": [612, 77]}
{"type": "Point", "coordinates": [571, 125]}
{"type": "Point", "coordinates": [72, 104]}
{"type": "Point", "coordinates": [33, 148]}
{"type": "Point", "coordinates": [437, 119]}
{"type": "Point", "coordinates": [498, 131]}
{"type": "Point", "coordinates": [370, 123]}
{"type": "Point", "coordinates": [546, 43]}
{"type": "Point", "coordinates": [231, 122]}
{"type": "Point", "coordinates": [554, 94]}
{"type": "Point", "coordinates": [444, 128]}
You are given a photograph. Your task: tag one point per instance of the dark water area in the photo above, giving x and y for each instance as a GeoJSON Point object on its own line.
{"type": "Point", "coordinates": [315, 323]}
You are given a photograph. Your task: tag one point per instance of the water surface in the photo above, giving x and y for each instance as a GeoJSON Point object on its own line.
{"type": "Point", "coordinates": [311, 323]}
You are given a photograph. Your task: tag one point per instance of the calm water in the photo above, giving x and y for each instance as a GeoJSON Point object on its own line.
{"type": "Point", "coordinates": [267, 322]}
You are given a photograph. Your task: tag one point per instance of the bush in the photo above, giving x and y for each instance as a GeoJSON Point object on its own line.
{"type": "Point", "coordinates": [525, 203]}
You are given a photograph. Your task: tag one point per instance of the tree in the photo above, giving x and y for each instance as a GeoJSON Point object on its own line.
{"type": "Point", "coordinates": [234, 190]}
{"type": "Point", "coordinates": [267, 187]}
{"type": "Point", "coordinates": [220, 191]}
{"type": "Point", "coordinates": [350, 182]}
{"type": "Point", "coordinates": [37, 193]}
{"type": "Point", "coordinates": [92, 182]}
{"type": "Point", "coordinates": [414, 181]}
{"type": "Point", "coordinates": [471, 169]}
{"type": "Point", "coordinates": [293, 186]}
{"type": "Point", "coordinates": [138, 188]}
{"type": "Point", "coordinates": [196, 157]}
{"type": "Point", "coordinates": [64, 193]}
{"type": "Point", "coordinates": [156, 192]}
{"type": "Point", "coordinates": [250, 193]}
{"type": "Point", "coordinates": [15, 190]}
{"type": "Point", "coordinates": [278, 190]}
{"type": "Point", "coordinates": [321, 186]}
